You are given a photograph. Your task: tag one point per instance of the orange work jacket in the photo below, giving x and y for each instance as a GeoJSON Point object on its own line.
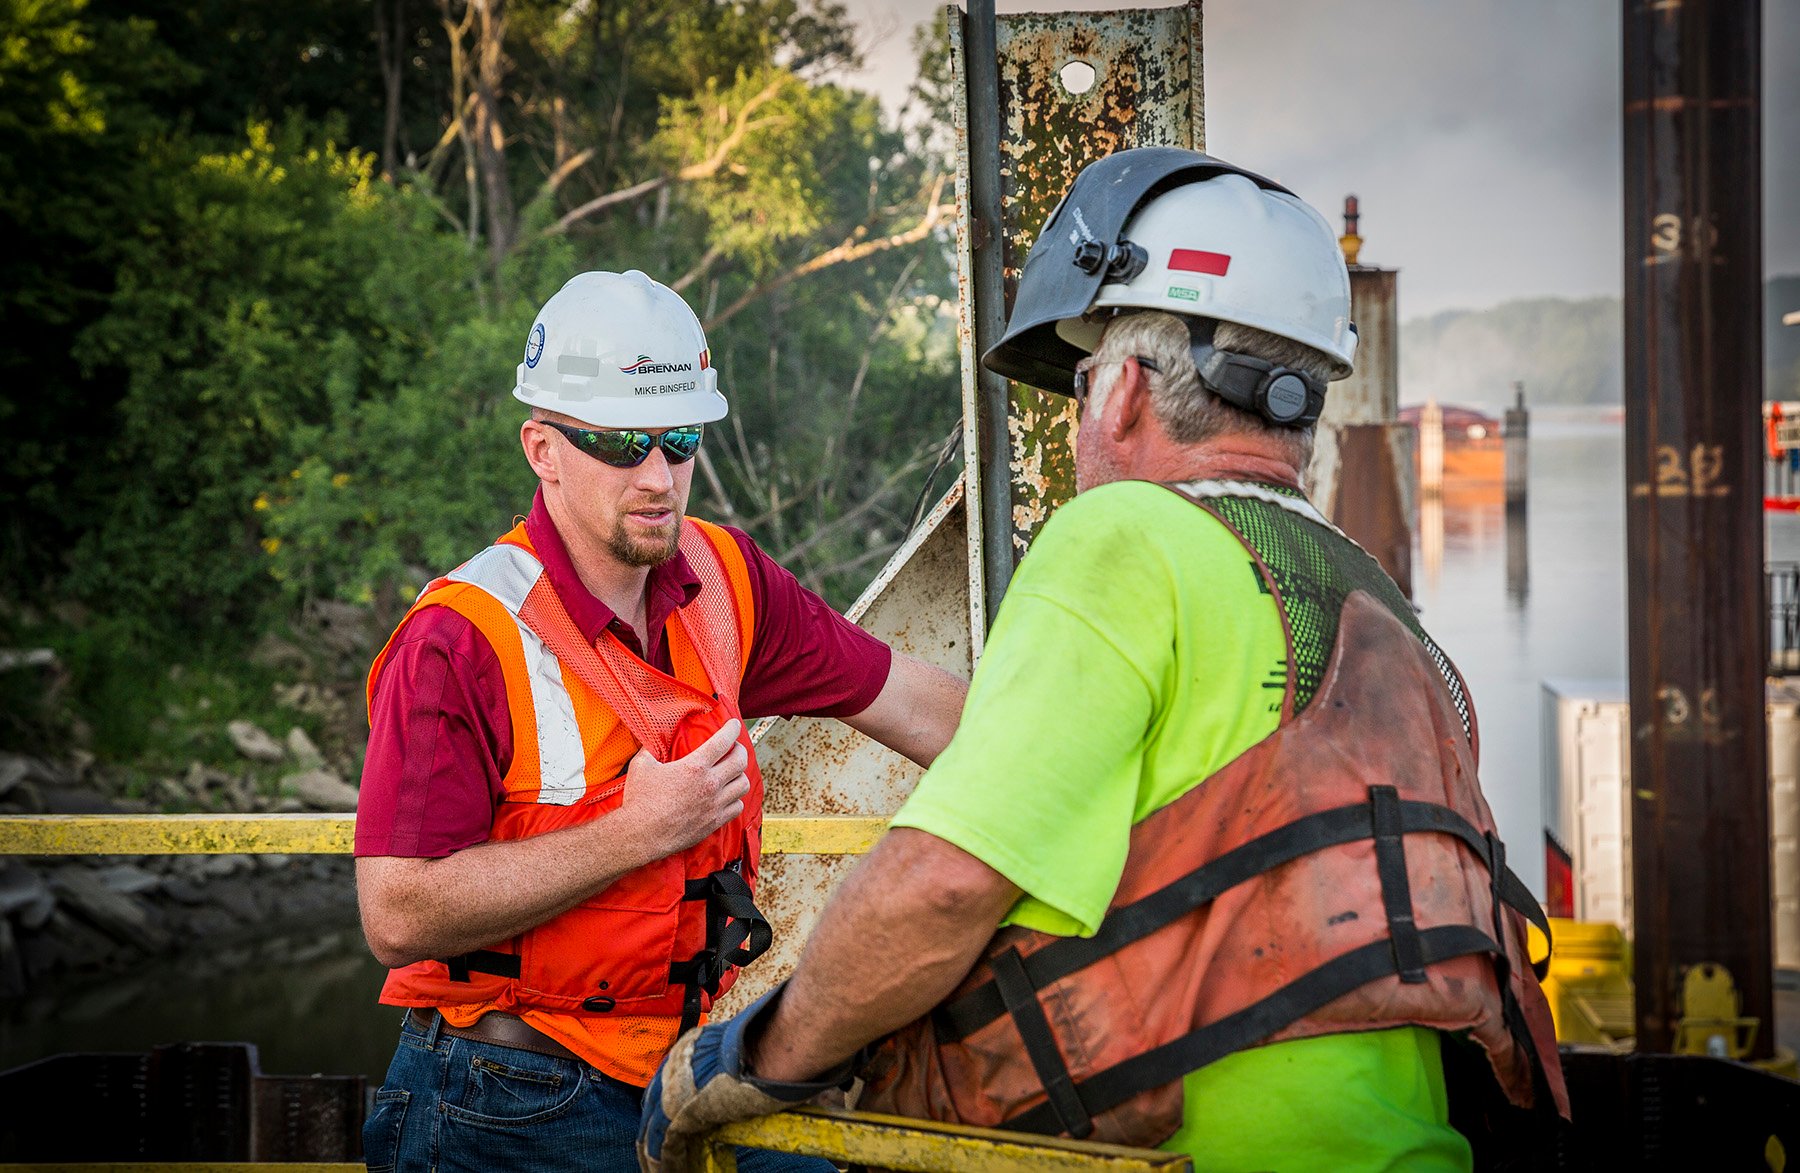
{"type": "Point", "coordinates": [1341, 875]}
{"type": "Point", "coordinates": [666, 939]}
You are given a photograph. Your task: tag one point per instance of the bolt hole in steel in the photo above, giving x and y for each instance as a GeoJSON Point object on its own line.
{"type": "Point", "coordinates": [1078, 77]}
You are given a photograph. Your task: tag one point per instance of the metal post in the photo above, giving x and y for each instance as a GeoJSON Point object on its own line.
{"type": "Point", "coordinates": [987, 248]}
{"type": "Point", "coordinates": [1693, 384]}
{"type": "Point", "coordinates": [1515, 434]}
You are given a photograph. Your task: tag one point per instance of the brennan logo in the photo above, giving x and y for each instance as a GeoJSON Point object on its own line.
{"type": "Point", "coordinates": [645, 365]}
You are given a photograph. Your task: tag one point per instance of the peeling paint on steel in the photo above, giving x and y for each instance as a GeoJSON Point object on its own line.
{"type": "Point", "coordinates": [1146, 92]}
{"type": "Point", "coordinates": [833, 777]}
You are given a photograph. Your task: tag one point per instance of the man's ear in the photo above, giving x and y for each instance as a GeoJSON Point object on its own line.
{"type": "Point", "coordinates": [535, 439]}
{"type": "Point", "coordinates": [1128, 406]}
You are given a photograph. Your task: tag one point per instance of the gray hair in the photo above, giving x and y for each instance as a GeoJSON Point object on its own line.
{"type": "Point", "coordinates": [1187, 411]}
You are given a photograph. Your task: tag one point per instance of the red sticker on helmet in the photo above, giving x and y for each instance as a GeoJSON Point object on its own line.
{"type": "Point", "coordinates": [1192, 260]}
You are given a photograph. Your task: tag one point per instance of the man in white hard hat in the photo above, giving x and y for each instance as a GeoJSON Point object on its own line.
{"type": "Point", "coordinates": [558, 836]}
{"type": "Point", "coordinates": [1206, 865]}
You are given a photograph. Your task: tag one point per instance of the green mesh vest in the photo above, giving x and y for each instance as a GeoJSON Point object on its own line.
{"type": "Point", "coordinates": [1315, 568]}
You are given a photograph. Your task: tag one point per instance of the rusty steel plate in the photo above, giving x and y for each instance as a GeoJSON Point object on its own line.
{"type": "Point", "coordinates": [918, 604]}
{"type": "Point", "coordinates": [1144, 90]}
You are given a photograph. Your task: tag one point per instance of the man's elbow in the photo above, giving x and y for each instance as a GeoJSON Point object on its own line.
{"type": "Point", "coordinates": [392, 936]}
{"type": "Point", "coordinates": [951, 886]}
{"type": "Point", "coordinates": [388, 940]}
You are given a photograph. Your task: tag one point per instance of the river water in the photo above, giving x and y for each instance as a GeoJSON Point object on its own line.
{"type": "Point", "coordinates": [1545, 600]}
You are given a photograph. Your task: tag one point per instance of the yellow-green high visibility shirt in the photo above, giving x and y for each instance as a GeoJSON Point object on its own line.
{"type": "Point", "coordinates": [1138, 652]}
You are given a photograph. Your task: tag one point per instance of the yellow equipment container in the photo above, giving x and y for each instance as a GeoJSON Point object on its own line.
{"type": "Point", "coordinates": [1589, 984]}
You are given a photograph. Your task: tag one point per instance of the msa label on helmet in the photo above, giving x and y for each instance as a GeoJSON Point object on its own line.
{"type": "Point", "coordinates": [534, 345]}
{"type": "Point", "coordinates": [645, 365]}
{"type": "Point", "coordinates": [1183, 293]}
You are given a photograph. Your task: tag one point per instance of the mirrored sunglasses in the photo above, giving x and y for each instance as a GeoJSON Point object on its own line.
{"type": "Point", "coordinates": [628, 448]}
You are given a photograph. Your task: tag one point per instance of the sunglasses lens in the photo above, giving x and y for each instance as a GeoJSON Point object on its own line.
{"type": "Point", "coordinates": [680, 444]}
{"type": "Point", "coordinates": [628, 449]}
{"type": "Point", "coordinates": [620, 449]}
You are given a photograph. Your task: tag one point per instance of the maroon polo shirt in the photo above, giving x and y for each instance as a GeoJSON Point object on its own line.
{"type": "Point", "coordinates": [440, 733]}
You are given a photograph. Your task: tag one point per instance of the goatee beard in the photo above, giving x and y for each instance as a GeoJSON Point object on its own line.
{"type": "Point", "coordinates": [644, 550]}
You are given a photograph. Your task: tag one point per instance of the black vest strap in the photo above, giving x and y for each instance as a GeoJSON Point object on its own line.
{"type": "Point", "coordinates": [1346, 824]}
{"type": "Point", "coordinates": [1294, 1001]}
{"type": "Point", "coordinates": [736, 934]}
{"type": "Point", "coordinates": [486, 961]}
{"type": "Point", "coordinates": [1040, 1045]}
{"type": "Point", "coordinates": [1396, 887]}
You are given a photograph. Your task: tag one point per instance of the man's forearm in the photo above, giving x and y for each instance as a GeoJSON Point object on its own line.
{"type": "Point", "coordinates": [474, 898]}
{"type": "Point", "coordinates": [902, 931]}
{"type": "Point", "coordinates": [917, 710]}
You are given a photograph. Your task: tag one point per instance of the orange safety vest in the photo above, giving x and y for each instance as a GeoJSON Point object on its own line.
{"type": "Point", "coordinates": [1341, 875]}
{"type": "Point", "coordinates": [667, 938]}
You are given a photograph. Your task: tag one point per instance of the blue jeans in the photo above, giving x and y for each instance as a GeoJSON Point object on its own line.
{"type": "Point", "coordinates": [457, 1104]}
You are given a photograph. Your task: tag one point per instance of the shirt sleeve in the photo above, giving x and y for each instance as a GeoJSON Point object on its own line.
{"type": "Point", "coordinates": [440, 741]}
{"type": "Point", "coordinates": [1042, 780]}
{"type": "Point", "coordinates": [806, 660]}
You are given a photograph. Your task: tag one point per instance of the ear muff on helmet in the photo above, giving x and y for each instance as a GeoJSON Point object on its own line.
{"type": "Point", "coordinates": [1281, 395]}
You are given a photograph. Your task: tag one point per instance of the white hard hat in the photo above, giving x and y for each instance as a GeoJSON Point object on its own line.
{"type": "Point", "coordinates": [619, 350]}
{"type": "Point", "coordinates": [1229, 249]}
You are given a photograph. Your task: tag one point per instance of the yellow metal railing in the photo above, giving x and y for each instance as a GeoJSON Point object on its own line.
{"type": "Point", "coordinates": [922, 1146]}
{"type": "Point", "coordinates": [859, 1138]}
{"type": "Point", "coordinates": [331, 834]}
{"type": "Point", "coordinates": [886, 1142]}
{"type": "Point", "coordinates": [862, 1138]}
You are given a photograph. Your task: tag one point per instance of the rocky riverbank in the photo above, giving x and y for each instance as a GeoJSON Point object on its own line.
{"type": "Point", "coordinates": [68, 919]}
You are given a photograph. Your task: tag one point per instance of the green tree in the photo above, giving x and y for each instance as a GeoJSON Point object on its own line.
{"type": "Point", "coordinates": [244, 310]}
{"type": "Point", "coordinates": [75, 94]}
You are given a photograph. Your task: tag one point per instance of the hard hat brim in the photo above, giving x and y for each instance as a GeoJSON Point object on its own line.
{"type": "Point", "coordinates": [674, 411]}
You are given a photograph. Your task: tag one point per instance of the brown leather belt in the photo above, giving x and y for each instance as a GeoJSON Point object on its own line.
{"type": "Point", "coordinates": [501, 1029]}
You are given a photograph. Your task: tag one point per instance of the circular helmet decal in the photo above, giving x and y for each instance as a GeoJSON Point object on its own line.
{"type": "Point", "coordinates": [534, 345]}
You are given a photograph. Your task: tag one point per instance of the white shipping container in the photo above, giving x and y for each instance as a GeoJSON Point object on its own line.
{"type": "Point", "coordinates": [1586, 738]}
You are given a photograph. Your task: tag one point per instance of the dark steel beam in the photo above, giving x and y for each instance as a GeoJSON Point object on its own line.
{"type": "Point", "coordinates": [987, 246]}
{"type": "Point", "coordinates": [1693, 389]}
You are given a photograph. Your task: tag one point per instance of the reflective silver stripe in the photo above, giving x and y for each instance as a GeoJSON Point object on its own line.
{"type": "Point", "coordinates": [508, 572]}
{"type": "Point", "coordinates": [504, 571]}
{"type": "Point", "coordinates": [561, 759]}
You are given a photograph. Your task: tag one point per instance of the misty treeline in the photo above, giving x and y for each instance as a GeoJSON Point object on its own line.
{"type": "Point", "coordinates": [1567, 352]}
{"type": "Point", "coordinates": [269, 267]}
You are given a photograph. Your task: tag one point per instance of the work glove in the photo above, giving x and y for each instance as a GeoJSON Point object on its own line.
{"type": "Point", "coordinates": [702, 1085]}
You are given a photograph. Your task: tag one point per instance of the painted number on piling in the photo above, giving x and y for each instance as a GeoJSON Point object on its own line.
{"type": "Point", "coordinates": [1670, 237]}
{"type": "Point", "coordinates": [1699, 474]}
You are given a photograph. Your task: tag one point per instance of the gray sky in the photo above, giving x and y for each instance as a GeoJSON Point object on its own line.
{"type": "Point", "coordinates": [1482, 138]}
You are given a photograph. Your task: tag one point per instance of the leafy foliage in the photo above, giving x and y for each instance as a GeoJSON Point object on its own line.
{"type": "Point", "coordinates": [276, 266]}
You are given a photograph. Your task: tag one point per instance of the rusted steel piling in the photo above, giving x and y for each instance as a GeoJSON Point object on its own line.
{"type": "Point", "coordinates": [1069, 88]}
{"type": "Point", "coordinates": [1693, 386]}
